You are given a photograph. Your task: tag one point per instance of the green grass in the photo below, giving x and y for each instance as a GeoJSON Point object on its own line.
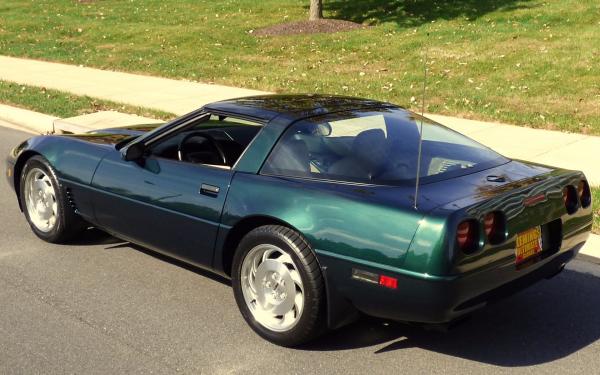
{"type": "Point", "coordinates": [531, 62]}
{"type": "Point", "coordinates": [596, 207]}
{"type": "Point", "coordinates": [64, 105]}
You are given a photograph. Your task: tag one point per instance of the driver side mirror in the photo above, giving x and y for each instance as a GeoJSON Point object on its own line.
{"type": "Point", "coordinates": [134, 152]}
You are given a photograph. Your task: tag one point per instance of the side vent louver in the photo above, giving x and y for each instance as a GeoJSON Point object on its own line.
{"type": "Point", "coordinates": [71, 200]}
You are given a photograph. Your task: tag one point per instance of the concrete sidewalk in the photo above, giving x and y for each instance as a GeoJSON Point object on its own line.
{"type": "Point", "coordinates": [572, 151]}
{"type": "Point", "coordinates": [168, 95]}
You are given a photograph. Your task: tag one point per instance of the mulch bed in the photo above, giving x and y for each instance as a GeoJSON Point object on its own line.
{"type": "Point", "coordinates": [309, 27]}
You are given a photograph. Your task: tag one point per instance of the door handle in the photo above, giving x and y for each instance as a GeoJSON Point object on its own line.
{"type": "Point", "coordinates": [207, 189]}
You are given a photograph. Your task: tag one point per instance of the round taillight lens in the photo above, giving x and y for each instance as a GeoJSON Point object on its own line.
{"type": "Point", "coordinates": [570, 199]}
{"type": "Point", "coordinates": [583, 191]}
{"type": "Point", "coordinates": [467, 236]}
{"type": "Point", "coordinates": [494, 227]}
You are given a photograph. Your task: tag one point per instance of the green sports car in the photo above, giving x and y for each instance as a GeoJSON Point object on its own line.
{"type": "Point", "coordinates": [319, 208]}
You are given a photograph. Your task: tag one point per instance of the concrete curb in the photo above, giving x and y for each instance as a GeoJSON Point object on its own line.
{"type": "Point", "coordinates": [591, 250]}
{"type": "Point", "coordinates": [30, 120]}
{"type": "Point", "coordinates": [39, 123]}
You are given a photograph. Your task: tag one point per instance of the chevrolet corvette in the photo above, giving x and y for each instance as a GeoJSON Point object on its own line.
{"type": "Point", "coordinates": [318, 208]}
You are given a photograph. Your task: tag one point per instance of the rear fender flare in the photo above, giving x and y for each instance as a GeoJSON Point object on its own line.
{"type": "Point", "coordinates": [339, 310]}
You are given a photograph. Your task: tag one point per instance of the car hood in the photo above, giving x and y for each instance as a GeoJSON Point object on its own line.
{"type": "Point", "coordinates": [112, 136]}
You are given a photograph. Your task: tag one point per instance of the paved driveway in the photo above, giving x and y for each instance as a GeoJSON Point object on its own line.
{"type": "Point", "coordinates": [103, 306]}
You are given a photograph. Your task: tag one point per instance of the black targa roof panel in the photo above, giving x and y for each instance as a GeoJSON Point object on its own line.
{"type": "Point", "coordinates": [267, 107]}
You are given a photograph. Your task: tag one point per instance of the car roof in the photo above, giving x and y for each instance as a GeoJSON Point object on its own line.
{"type": "Point", "coordinates": [267, 107]}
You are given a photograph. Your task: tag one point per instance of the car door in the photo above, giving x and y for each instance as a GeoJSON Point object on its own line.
{"type": "Point", "coordinates": [167, 205]}
{"type": "Point", "coordinates": [163, 204]}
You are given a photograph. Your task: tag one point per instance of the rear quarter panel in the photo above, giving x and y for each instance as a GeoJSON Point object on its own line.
{"type": "Point", "coordinates": [440, 257]}
{"type": "Point", "coordinates": [369, 225]}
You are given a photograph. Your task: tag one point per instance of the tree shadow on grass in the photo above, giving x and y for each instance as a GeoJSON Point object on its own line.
{"type": "Point", "coordinates": [412, 13]}
{"type": "Point", "coordinates": [547, 322]}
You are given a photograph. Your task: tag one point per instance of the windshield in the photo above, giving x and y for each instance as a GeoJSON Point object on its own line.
{"type": "Point", "coordinates": [378, 147]}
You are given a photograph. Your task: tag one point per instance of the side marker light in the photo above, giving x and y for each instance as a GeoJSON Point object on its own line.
{"type": "Point", "coordinates": [373, 278]}
{"type": "Point", "coordinates": [388, 282]}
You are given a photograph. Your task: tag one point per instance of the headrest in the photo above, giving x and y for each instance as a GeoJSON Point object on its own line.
{"type": "Point", "coordinates": [370, 146]}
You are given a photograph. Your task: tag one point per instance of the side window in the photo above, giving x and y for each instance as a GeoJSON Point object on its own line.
{"type": "Point", "coordinates": [291, 156]}
{"type": "Point", "coordinates": [349, 149]}
{"type": "Point", "coordinates": [218, 141]}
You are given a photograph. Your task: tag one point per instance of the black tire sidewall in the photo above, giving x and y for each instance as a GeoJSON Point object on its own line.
{"type": "Point", "coordinates": [310, 323]}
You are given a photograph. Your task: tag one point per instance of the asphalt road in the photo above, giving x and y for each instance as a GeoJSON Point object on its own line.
{"type": "Point", "coordinates": [103, 306]}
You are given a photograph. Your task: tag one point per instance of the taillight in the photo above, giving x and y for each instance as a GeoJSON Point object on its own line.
{"type": "Point", "coordinates": [583, 191]}
{"type": "Point", "coordinates": [494, 227]}
{"type": "Point", "coordinates": [467, 236]}
{"type": "Point", "coordinates": [570, 199]}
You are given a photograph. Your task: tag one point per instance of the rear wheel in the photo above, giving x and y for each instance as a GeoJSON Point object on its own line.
{"type": "Point", "coordinates": [278, 285]}
{"type": "Point", "coordinates": [44, 204]}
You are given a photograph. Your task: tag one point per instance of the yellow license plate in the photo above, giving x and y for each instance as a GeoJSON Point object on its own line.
{"type": "Point", "coordinates": [529, 244]}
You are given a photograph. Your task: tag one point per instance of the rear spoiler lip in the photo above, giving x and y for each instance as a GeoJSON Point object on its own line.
{"type": "Point", "coordinates": [513, 187]}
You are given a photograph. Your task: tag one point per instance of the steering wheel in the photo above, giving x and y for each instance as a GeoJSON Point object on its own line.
{"type": "Point", "coordinates": [182, 154]}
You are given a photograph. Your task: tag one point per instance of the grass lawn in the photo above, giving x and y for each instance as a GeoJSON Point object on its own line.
{"type": "Point", "coordinates": [532, 62]}
{"type": "Point", "coordinates": [596, 206]}
{"type": "Point", "coordinates": [64, 104]}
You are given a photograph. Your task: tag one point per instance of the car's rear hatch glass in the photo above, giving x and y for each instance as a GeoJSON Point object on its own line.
{"type": "Point", "coordinates": [378, 146]}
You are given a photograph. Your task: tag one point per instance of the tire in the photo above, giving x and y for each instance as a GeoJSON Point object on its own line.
{"type": "Point", "coordinates": [274, 260]}
{"type": "Point", "coordinates": [40, 192]}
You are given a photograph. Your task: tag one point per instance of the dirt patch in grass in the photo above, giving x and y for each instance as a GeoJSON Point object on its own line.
{"type": "Point", "coordinates": [309, 27]}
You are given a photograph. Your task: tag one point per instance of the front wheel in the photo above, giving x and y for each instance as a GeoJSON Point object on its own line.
{"type": "Point", "coordinates": [278, 285]}
{"type": "Point", "coordinates": [44, 203]}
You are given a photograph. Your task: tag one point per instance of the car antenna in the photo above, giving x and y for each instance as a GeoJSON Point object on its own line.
{"type": "Point", "coordinates": [421, 126]}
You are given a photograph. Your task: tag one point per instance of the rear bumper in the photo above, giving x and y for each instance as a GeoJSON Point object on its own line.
{"type": "Point", "coordinates": [428, 299]}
